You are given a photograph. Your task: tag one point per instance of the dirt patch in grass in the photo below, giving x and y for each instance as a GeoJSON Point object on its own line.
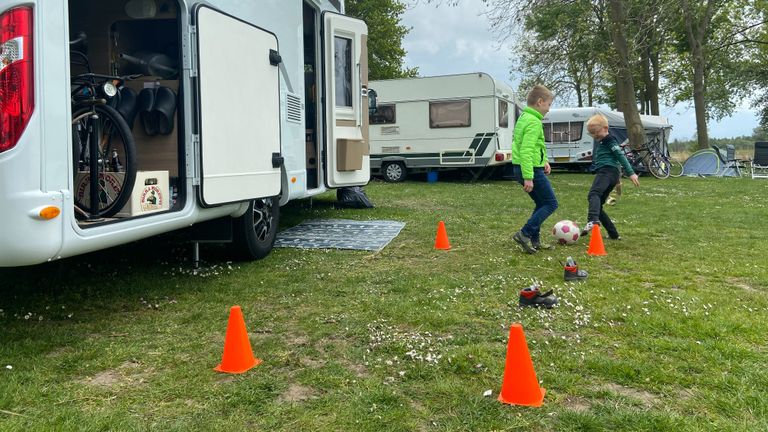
{"type": "Point", "coordinates": [130, 373]}
{"type": "Point", "coordinates": [740, 283]}
{"type": "Point", "coordinates": [648, 399]}
{"type": "Point", "coordinates": [575, 403]}
{"type": "Point", "coordinates": [297, 393]}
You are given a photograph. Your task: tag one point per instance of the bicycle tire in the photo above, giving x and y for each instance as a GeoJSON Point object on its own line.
{"type": "Point", "coordinates": [659, 166]}
{"type": "Point", "coordinates": [115, 136]}
{"type": "Point", "coordinates": [676, 168]}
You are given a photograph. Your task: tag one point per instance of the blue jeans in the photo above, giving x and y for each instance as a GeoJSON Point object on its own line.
{"type": "Point", "coordinates": [544, 197]}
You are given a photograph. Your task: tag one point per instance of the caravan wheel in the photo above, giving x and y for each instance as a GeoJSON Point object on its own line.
{"type": "Point", "coordinates": [254, 232]}
{"type": "Point", "coordinates": [393, 172]}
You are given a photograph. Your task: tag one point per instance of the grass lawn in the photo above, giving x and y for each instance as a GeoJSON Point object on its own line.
{"type": "Point", "coordinates": [668, 333]}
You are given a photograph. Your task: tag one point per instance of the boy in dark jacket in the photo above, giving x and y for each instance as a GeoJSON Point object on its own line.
{"type": "Point", "coordinates": [608, 158]}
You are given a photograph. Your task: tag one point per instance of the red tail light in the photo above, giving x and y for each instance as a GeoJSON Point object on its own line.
{"type": "Point", "coordinates": [17, 92]}
{"type": "Point", "coordinates": [499, 157]}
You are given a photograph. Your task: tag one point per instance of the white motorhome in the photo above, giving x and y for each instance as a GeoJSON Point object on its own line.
{"type": "Point", "coordinates": [440, 122]}
{"type": "Point", "coordinates": [231, 119]}
{"type": "Point", "coordinates": [569, 143]}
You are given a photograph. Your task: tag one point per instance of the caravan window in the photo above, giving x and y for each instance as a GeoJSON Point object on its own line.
{"type": "Point", "coordinates": [563, 132]}
{"type": "Point", "coordinates": [449, 114]}
{"type": "Point", "coordinates": [385, 114]}
{"type": "Point", "coordinates": [503, 114]}
{"type": "Point", "coordinates": [343, 65]}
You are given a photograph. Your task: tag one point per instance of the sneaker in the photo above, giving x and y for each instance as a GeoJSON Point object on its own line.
{"type": "Point", "coordinates": [571, 271]}
{"type": "Point", "coordinates": [533, 297]}
{"type": "Point", "coordinates": [588, 228]}
{"type": "Point", "coordinates": [614, 237]}
{"type": "Point", "coordinates": [538, 245]}
{"type": "Point", "coordinates": [524, 241]}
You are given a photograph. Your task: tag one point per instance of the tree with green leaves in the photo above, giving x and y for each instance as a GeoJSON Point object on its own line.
{"type": "Point", "coordinates": [385, 37]}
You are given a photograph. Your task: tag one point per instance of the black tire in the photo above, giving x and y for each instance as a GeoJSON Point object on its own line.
{"type": "Point", "coordinates": [675, 168]}
{"type": "Point", "coordinates": [254, 232]}
{"type": "Point", "coordinates": [659, 166]}
{"type": "Point", "coordinates": [393, 172]}
{"type": "Point", "coordinates": [116, 138]}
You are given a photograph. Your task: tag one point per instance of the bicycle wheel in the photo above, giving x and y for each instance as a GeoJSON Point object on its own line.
{"type": "Point", "coordinates": [115, 164]}
{"type": "Point", "coordinates": [659, 166]}
{"type": "Point", "coordinates": [675, 168]}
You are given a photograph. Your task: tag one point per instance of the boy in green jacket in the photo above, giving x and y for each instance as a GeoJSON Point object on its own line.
{"type": "Point", "coordinates": [530, 166]}
{"type": "Point", "coordinates": [607, 159]}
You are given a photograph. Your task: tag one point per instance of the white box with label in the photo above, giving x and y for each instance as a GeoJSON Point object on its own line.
{"type": "Point", "coordinates": [150, 194]}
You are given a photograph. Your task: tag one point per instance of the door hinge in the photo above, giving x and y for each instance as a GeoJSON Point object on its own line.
{"type": "Point", "coordinates": [193, 51]}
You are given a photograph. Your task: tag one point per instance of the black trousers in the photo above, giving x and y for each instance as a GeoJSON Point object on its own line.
{"type": "Point", "coordinates": [606, 179]}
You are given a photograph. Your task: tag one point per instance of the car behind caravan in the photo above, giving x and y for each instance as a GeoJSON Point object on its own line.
{"type": "Point", "coordinates": [180, 111]}
{"type": "Point", "coordinates": [439, 123]}
{"type": "Point", "coordinates": [569, 144]}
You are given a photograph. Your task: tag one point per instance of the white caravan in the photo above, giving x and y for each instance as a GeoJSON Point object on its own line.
{"type": "Point", "coordinates": [231, 103]}
{"type": "Point", "coordinates": [441, 122]}
{"type": "Point", "coordinates": [569, 143]}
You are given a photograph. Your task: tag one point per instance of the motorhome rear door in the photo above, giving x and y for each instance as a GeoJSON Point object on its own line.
{"type": "Point", "coordinates": [239, 109]}
{"type": "Point", "coordinates": [345, 54]}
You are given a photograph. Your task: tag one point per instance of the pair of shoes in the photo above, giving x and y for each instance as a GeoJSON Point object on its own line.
{"type": "Point", "coordinates": [533, 297]}
{"type": "Point", "coordinates": [157, 108]}
{"type": "Point", "coordinates": [124, 103]}
{"type": "Point", "coordinates": [524, 241]}
{"type": "Point", "coordinates": [588, 228]}
{"type": "Point", "coordinates": [571, 271]}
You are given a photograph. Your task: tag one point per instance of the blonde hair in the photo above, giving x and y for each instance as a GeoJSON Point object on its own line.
{"type": "Point", "coordinates": [598, 120]}
{"type": "Point", "coordinates": [539, 92]}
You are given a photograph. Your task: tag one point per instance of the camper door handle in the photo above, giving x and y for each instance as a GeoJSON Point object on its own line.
{"type": "Point", "coordinates": [274, 58]}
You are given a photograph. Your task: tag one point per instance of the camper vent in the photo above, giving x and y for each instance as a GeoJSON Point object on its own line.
{"type": "Point", "coordinates": [293, 108]}
{"type": "Point", "coordinates": [390, 149]}
{"type": "Point", "coordinates": [390, 130]}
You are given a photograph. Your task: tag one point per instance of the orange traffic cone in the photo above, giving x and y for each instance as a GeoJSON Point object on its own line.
{"type": "Point", "coordinates": [441, 240]}
{"type": "Point", "coordinates": [596, 246]}
{"type": "Point", "coordinates": [238, 356]}
{"type": "Point", "coordinates": [520, 386]}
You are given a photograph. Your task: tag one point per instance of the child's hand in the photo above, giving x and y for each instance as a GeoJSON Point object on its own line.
{"type": "Point", "coordinates": [528, 185]}
{"type": "Point", "coordinates": [634, 179]}
{"type": "Point", "coordinates": [547, 168]}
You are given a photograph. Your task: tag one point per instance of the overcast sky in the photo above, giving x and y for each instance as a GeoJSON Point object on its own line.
{"type": "Point", "coordinates": [446, 40]}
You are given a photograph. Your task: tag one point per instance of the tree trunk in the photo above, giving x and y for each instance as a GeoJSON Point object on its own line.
{"type": "Point", "coordinates": [697, 29]}
{"type": "Point", "coordinates": [654, 90]}
{"type": "Point", "coordinates": [625, 91]}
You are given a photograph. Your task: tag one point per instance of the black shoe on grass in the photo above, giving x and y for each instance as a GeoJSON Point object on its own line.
{"type": "Point", "coordinates": [524, 241]}
{"type": "Point", "coordinates": [571, 271]}
{"type": "Point", "coordinates": [532, 297]}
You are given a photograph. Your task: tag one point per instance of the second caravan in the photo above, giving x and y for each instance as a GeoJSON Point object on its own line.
{"type": "Point", "coordinates": [439, 123]}
{"type": "Point", "coordinates": [569, 144]}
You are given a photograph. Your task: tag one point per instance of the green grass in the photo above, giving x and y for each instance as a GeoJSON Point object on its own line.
{"type": "Point", "coordinates": [668, 333]}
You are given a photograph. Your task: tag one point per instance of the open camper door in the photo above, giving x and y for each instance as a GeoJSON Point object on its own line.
{"type": "Point", "coordinates": [347, 160]}
{"type": "Point", "coordinates": [239, 109]}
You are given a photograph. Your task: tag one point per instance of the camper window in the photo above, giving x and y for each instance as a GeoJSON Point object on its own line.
{"type": "Point", "coordinates": [385, 114]}
{"type": "Point", "coordinates": [343, 68]}
{"type": "Point", "coordinates": [449, 114]}
{"type": "Point", "coordinates": [503, 114]}
{"type": "Point", "coordinates": [563, 132]}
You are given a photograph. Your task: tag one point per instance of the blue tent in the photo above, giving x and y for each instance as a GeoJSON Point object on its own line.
{"type": "Point", "coordinates": [705, 163]}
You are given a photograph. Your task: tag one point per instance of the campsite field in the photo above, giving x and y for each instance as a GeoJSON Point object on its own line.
{"type": "Point", "coordinates": [668, 333]}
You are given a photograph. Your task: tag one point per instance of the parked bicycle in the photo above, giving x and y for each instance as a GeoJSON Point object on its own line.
{"type": "Point", "coordinates": [648, 158]}
{"type": "Point", "coordinates": [104, 152]}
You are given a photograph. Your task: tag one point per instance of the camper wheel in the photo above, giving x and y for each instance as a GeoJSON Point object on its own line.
{"type": "Point", "coordinates": [393, 172]}
{"type": "Point", "coordinates": [254, 232]}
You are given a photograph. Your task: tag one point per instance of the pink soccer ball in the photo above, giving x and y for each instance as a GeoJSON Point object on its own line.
{"type": "Point", "coordinates": [566, 232]}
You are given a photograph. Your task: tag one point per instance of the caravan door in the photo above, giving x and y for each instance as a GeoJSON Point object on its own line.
{"type": "Point", "coordinates": [239, 109]}
{"type": "Point", "coordinates": [345, 53]}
